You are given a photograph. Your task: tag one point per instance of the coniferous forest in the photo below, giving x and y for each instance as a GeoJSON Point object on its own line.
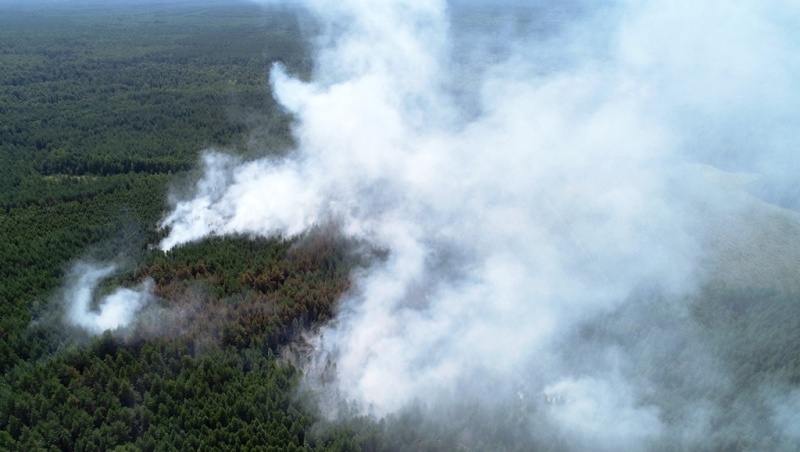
{"type": "Point", "coordinates": [105, 111]}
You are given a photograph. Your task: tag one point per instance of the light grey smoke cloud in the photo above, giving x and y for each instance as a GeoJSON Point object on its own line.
{"type": "Point", "coordinates": [786, 413]}
{"type": "Point", "coordinates": [525, 188]}
{"type": "Point", "coordinates": [115, 310]}
{"type": "Point", "coordinates": [727, 80]}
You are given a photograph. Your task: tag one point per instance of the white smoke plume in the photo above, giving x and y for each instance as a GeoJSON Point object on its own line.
{"type": "Point", "coordinates": [115, 310]}
{"type": "Point", "coordinates": [530, 170]}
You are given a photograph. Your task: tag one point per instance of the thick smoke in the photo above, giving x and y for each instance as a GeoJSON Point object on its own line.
{"type": "Point", "coordinates": [552, 184]}
{"type": "Point", "coordinates": [112, 311]}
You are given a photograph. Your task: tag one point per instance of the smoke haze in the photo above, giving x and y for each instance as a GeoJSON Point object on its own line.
{"type": "Point", "coordinates": [556, 187]}
{"type": "Point", "coordinates": [115, 310]}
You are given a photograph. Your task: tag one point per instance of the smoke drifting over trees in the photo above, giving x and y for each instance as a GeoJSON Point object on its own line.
{"type": "Point", "coordinates": [113, 311]}
{"type": "Point", "coordinates": [570, 199]}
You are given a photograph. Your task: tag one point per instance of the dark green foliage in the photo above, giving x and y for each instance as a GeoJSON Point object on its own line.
{"type": "Point", "coordinates": [99, 108]}
{"type": "Point", "coordinates": [155, 395]}
{"type": "Point", "coordinates": [136, 90]}
{"type": "Point", "coordinates": [208, 378]}
{"type": "Point", "coordinates": [45, 233]}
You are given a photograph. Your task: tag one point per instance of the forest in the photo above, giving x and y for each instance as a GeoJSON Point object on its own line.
{"type": "Point", "coordinates": [105, 111]}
